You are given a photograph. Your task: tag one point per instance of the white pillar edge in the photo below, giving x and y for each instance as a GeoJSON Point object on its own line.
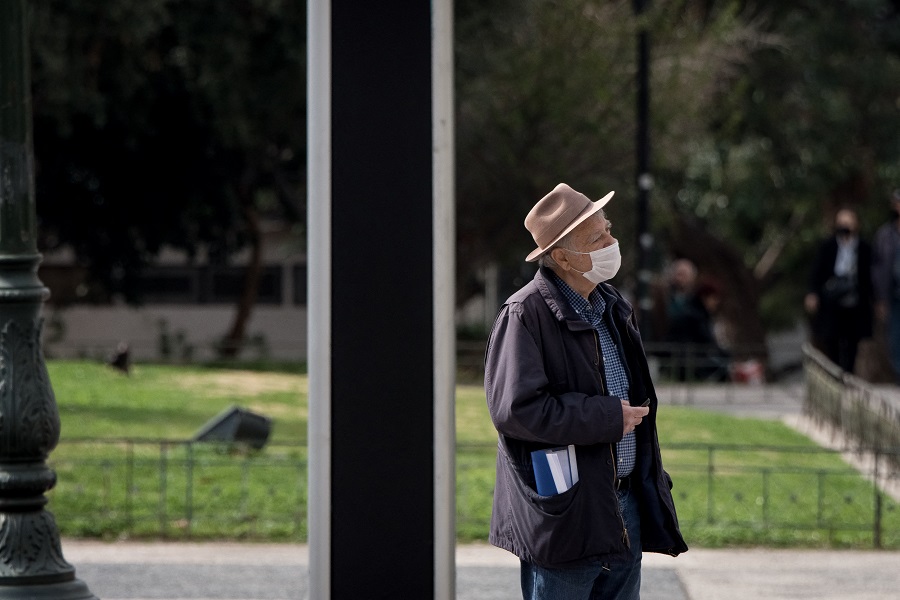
{"type": "Point", "coordinates": [444, 277]}
{"type": "Point", "coordinates": [318, 165]}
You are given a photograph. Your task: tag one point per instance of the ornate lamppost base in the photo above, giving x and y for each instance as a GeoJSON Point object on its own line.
{"type": "Point", "coordinates": [31, 561]}
{"type": "Point", "coordinates": [69, 590]}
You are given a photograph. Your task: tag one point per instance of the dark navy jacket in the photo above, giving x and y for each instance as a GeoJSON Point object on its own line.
{"type": "Point", "coordinates": [545, 388]}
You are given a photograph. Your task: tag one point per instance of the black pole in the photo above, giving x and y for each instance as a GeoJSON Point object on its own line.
{"type": "Point", "coordinates": [31, 560]}
{"type": "Point", "coordinates": [382, 305]}
{"type": "Point", "coordinates": [643, 177]}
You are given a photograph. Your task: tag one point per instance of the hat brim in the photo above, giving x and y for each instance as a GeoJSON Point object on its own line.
{"type": "Point", "coordinates": [537, 252]}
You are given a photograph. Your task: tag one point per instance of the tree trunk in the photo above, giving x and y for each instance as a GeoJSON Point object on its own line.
{"type": "Point", "coordinates": [234, 341]}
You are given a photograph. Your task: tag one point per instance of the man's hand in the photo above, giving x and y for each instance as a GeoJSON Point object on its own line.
{"type": "Point", "coordinates": [632, 416]}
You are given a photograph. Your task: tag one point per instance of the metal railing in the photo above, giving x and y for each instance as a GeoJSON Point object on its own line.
{"type": "Point", "coordinates": [187, 490]}
{"type": "Point", "coordinates": [746, 494]}
{"type": "Point", "coordinates": [725, 493]}
{"type": "Point", "coordinates": [179, 489]}
{"type": "Point", "coordinates": [867, 418]}
{"type": "Point", "coordinates": [682, 362]}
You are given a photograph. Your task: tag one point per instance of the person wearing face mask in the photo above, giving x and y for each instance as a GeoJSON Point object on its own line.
{"type": "Point", "coordinates": [565, 370]}
{"type": "Point", "coordinates": [839, 292]}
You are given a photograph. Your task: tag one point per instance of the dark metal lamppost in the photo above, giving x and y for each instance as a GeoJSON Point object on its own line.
{"type": "Point", "coordinates": [644, 178]}
{"type": "Point", "coordinates": [31, 559]}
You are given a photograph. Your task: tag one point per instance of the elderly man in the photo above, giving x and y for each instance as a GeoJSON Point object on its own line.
{"type": "Point", "coordinates": [568, 386]}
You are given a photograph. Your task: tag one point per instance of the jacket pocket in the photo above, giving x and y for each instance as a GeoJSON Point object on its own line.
{"type": "Point", "coordinates": [562, 528]}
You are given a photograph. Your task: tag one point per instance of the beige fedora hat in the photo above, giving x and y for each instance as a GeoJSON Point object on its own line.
{"type": "Point", "coordinates": [558, 213]}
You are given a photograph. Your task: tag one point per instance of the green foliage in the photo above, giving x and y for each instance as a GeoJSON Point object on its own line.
{"type": "Point", "coordinates": [808, 122]}
{"type": "Point", "coordinates": [157, 123]}
{"type": "Point", "coordinates": [542, 96]}
{"type": "Point", "coordinates": [765, 116]}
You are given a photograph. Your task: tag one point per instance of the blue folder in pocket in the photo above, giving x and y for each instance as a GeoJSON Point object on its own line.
{"type": "Point", "coordinates": [555, 470]}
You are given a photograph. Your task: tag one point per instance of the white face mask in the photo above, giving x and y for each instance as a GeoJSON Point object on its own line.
{"type": "Point", "coordinates": [605, 263]}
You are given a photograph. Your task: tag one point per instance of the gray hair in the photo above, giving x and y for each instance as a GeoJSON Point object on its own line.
{"type": "Point", "coordinates": [565, 242]}
{"type": "Point", "coordinates": [545, 260]}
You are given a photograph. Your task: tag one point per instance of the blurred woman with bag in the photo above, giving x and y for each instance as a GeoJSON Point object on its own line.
{"type": "Point", "coordinates": [839, 296]}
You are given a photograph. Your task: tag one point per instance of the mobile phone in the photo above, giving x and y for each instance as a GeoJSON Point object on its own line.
{"type": "Point", "coordinates": [646, 402]}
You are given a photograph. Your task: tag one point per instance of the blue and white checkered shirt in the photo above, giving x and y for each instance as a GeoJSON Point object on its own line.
{"type": "Point", "coordinates": [592, 311]}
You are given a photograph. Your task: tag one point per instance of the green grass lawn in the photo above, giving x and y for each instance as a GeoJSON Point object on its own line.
{"type": "Point", "coordinates": [172, 402]}
{"type": "Point", "coordinates": [771, 486]}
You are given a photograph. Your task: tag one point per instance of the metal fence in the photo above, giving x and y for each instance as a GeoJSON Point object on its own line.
{"type": "Point", "coordinates": [778, 494]}
{"type": "Point", "coordinates": [179, 489]}
{"type": "Point", "coordinates": [749, 494]}
{"type": "Point", "coordinates": [683, 362]}
{"type": "Point", "coordinates": [725, 494]}
{"type": "Point", "coordinates": [867, 417]}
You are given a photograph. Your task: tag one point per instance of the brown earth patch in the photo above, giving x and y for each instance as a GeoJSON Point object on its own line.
{"type": "Point", "coordinates": [247, 384]}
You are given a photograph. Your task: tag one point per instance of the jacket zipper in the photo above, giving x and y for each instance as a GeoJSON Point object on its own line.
{"type": "Point", "coordinates": [612, 456]}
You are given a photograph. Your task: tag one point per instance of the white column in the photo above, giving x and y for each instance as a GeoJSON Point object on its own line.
{"type": "Point", "coordinates": [318, 148]}
{"type": "Point", "coordinates": [444, 302]}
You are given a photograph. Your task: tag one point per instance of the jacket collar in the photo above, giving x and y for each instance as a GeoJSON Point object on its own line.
{"type": "Point", "coordinates": [545, 281]}
{"type": "Point", "coordinates": [549, 291]}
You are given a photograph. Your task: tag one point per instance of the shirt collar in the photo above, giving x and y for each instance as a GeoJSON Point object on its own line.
{"type": "Point", "coordinates": [594, 304]}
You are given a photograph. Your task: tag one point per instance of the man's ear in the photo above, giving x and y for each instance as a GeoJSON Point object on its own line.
{"type": "Point", "coordinates": [561, 257]}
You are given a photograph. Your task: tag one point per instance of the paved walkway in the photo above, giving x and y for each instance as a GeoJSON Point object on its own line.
{"type": "Point", "coordinates": [189, 571]}
{"type": "Point", "coordinates": [761, 401]}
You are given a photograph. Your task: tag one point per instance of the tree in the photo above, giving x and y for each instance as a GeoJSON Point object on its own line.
{"type": "Point", "coordinates": [808, 124]}
{"type": "Point", "coordinates": [546, 91]}
{"type": "Point", "coordinates": [765, 116]}
{"type": "Point", "coordinates": [541, 95]}
{"type": "Point", "coordinates": [165, 123]}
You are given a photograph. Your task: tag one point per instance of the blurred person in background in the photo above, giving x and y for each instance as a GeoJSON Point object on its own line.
{"type": "Point", "coordinates": [886, 280]}
{"type": "Point", "coordinates": [684, 323]}
{"type": "Point", "coordinates": [716, 361]}
{"type": "Point", "coordinates": [684, 310]}
{"type": "Point", "coordinates": [839, 291]}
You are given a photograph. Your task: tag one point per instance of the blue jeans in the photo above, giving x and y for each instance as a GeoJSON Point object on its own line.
{"type": "Point", "coordinates": [619, 580]}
